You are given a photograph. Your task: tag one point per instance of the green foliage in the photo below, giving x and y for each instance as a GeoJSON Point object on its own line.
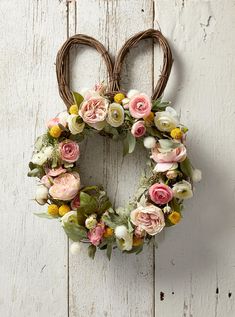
{"type": "Point", "coordinates": [129, 144]}
{"type": "Point", "coordinates": [35, 170]}
{"type": "Point", "coordinates": [186, 167]}
{"type": "Point", "coordinates": [154, 132]}
{"type": "Point", "coordinates": [78, 99]}
{"type": "Point", "coordinates": [45, 215]}
{"type": "Point", "coordinates": [159, 105]}
{"type": "Point", "coordinates": [88, 203]}
{"type": "Point", "coordinates": [91, 251]}
{"type": "Point", "coordinates": [74, 231]}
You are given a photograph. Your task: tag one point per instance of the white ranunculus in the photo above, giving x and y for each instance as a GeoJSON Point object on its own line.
{"type": "Point", "coordinates": [131, 93]}
{"type": "Point", "coordinates": [196, 175]}
{"type": "Point", "coordinates": [73, 125]}
{"type": "Point", "coordinates": [115, 115]}
{"type": "Point", "coordinates": [70, 216]}
{"type": "Point", "coordinates": [124, 238]}
{"type": "Point", "coordinates": [182, 190]}
{"type": "Point", "coordinates": [75, 248]}
{"type": "Point", "coordinates": [121, 231]}
{"type": "Point", "coordinates": [149, 142]}
{"type": "Point", "coordinates": [41, 194]}
{"type": "Point", "coordinates": [91, 222]}
{"type": "Point", "coordinates": [41, 157]}
{"type": "Point", "coordinates": [166, 120]}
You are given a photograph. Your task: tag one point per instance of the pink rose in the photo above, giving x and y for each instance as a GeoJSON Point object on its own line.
{"type": "Point", "coordinates": [168, 159]}
{"type": "Point", "coordinates": [95, 235]}
{"type": "Point", "coordinates": [94, 110]}
{"type": "Point", "coordinates": [160, 194]}
{"type": "Point", "coordinates": [149, 218]}
{"type": "Point", "coordinates": [75, 203]}
{"type": "Point", "coordinates": [55, 171]}
{"type": "Point", "coordinates": [140, 106]}
{"type": "Point", "coordinates": [69, 151]}
{"type": "Point", "coordinates": [65, 187]}
{"type": "Point", "coordinates": [138, 129]}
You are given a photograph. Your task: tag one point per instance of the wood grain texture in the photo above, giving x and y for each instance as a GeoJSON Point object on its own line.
{"type": "Point", "coordinates": [192, 273]}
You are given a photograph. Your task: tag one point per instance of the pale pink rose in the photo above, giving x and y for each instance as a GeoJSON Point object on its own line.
{"type": "Point", "coordinates": [138, 129]}
{"type": "Point", "coordinates": [160, 194]}
{"type": "Point", "coordinates": [46, 181]}
{"type": "Point", "coordinates": [149, 218]}
{"type": "Point", "coordinates": [65, 187]}
{"type": "Point", "coordinates": [95, 235]}
{"type": "Point", "coordinates": [176, 155]}
{"type": "Point", "coordinates": [94, 110]}
{"type": "Point", "coordinates": [55, 171]}
{"type": "Point", "coordinates": [69, 151]}
{"type": "Point", "coordinates": [75, 203]}
{"type": "Point", "coordinates": [140, 106]}
{"type": "Point", "coordinates": [55, 121]}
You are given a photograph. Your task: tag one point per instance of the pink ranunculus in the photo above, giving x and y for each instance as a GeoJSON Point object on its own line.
{"type": "Point", "coordinates": [75, 203]}
{"type": "Point", "coordinates": [46, 181]}
{"type": "Point", "coordinates": [149, 218]}
{"type": "Point", "coordinates": [56, 121]}
{"type": "Point", "coordinates": [140, 106]}
{"type": "Point", "coordinates": [175, 155]}
{"type": "Point", "coordinates": [138, 129]}
{"type": "Point", "coordinates": [66, 186]}
{"type": "Point", "coordinates": [69, 151]}
{"type": "Point", "coordinates": [95, 235]}
{"type": "Point", "coordinates": [160, 194]}
{"type": "Point", "coordinates": [94, 110]}
{"type": "Point", "coordinates": [55, 171]}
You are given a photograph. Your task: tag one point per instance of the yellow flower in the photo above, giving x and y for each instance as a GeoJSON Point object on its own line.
{"type": "Point", "coordinates": [137, 241]}
{"type": "Point", "coordinates": [63, 210]}
{"type": "Point", "coordinates": [55, 131]}
{"type": "Point", "coordinates": [176, 133]}
{"type": "Point", "coordinates": [174, 217]}
{"type": "Point", "coordinates": [149, 119]}
{"type": "Point", "coordinates": [108, 232]}
{"type": "Point", "coordinates": [53, 210]}
{"type": "Point", "coordinates": [73, 109]}
{"type": "Point", "coordinates": [119, 97]}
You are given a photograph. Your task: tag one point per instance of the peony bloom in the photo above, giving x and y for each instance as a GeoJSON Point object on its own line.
{"type": "Point", "coordinates": [115, 115]}
{"type": "Point", "coordinates": [41, 157]}
{"type": "Point", "coordinates": [69, 151]}
{"type": "Point", "coordinates": [167, 159]}
{"type": "Point", "coordinates": [55, 171]}
{"type": "Point", "coordinates": [182, 190]}
{"type": "Point", "coordinates": [140, 106]}
{"type": "Point", "coordinates": [74, 126]}
{"type": "Point", "coordinates": [166, 120]}
{"type": "Point", "coordinates": [95, 235]}
{"type": "Point", "coordinates": [94, 111]}
{"type": "Point", "coordinates": [75, 203]}
{"type": "Point", "coordinates": [138, 129]}
{"type": "Point", "coordinates": [160, 194]}
{"type": "Point", "coordinates": [149, 218]}
{"type": "Point", "coordinates": [65, 187]}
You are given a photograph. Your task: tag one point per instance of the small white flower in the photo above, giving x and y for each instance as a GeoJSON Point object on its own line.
{"type": "Point", "coordinates": [41, 157]}
{"type": "Point", "coordinates": [166, 120]}
{"type": "Point", "coordinates": [126, 242]}
{"type": "Point", "coordinates": [41, 194]}
{"type": "Point", "coordinates": [69, 216]}
{"type": "Point", "coordinates": [63, 116]}
{"type": "Point", "coordinates": [167, 209]}
{"type": "Point", "coordinates": [149, 142]}
{"type": "Point", "coordinates": [121, 232]}
{"type": "Point", "coordinates": [73, 125]}
{"type": "Point", "coordinates": [75, 248]}
{"type": "Point", "coordinates": [91, 222]}
{"type": "Point", "coordinates": [182, 190]}
{"type": "Point", "coordinates": [125, 101]}
{"type": "Point", "coordinates": [197, 175]}
{"type": "Point", "coordinates": [131, 93]}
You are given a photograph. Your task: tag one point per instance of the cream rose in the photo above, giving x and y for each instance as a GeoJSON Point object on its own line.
{"type": "Point", "coordinates": [74, 126]}
{"type": "Point", "coordinates": [115, 115]}
{"type": "Point", "coordinates": [166, 120]}
{"type": "Point", "coordinates": [149, 218]}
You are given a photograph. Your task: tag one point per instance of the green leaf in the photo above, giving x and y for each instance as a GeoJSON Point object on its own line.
{"type": "Point", "coordinates": [36, 172]}
{"type": "Point", "coordinates": [129, 144]}
{"type": "Point", "coordinates": [109, 250]}
{"type": "Point", "coordinates": [74, 231]}
{"type": "Point", "coordinates": [88, 202]}
{"type": "Point", "coordinates": [78, 99]}
{"type": "Point", "coordinates": [186, 167]}
{"type": "Point", "coordinates": [111, 130]}
{"type": "Point", "coordinates": [159, 105]}
{"type": "Point", "coordinates": [91, 251]}
{"type": "Point", "coordinates": [103, 202]}
{"type": "Point", "coordinates": [154, 132]}
{"type": "Point", "coordinates": [166, 144]}
{"type": "Point", "coordinates": [45, 215]}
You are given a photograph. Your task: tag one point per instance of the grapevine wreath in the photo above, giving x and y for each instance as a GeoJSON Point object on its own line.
{"type": "Point", "coordinates": [85, 212]}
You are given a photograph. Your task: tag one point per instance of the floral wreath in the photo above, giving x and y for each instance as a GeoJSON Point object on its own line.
{"type": "Point", "coordinates": [85, 212]}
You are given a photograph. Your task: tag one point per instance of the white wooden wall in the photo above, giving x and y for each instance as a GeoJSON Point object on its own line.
{"type": "Point", "coordinates": [192, 273]}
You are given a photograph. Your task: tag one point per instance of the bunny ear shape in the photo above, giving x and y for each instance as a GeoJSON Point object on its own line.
{"type": "Point", "coordinates": [62, 65]}
{"type": "Point", "coordinates": [167, 59]}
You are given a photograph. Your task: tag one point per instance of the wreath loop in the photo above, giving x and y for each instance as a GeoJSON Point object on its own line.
{"type": "Point", "coordinates": [86, 213]}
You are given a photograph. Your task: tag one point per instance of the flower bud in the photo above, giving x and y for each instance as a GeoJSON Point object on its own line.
{"type": "Point", "coordinates": [75, 248]}
{"type": "Point", "coordinates": [91, 222]}
{"type": "Point", "coordinates": [197, 175]}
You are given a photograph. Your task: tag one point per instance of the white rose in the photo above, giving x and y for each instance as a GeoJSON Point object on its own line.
{"type": "Point", "coordinates": [73, 125]}
{"type": "Point", "coordinates": [124, 238]}
{"type": "Point", "coordinates": [41, 157]}
{"type": "Point", "coordinates": [196, 175]}
{"type": "Point", "coordinates": [41, 194]}
{"type": "Point", "coordinates": [182, 190]}
{"type": "Point", "coordinates": [91, 222]}
{"type": "Point", "coordinates": [166, 120]}
{"type": "Point", "coordinates": [121, 231]}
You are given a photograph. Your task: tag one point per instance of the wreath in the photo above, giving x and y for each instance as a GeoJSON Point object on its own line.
{"type": "Point", "coordinates": [85, 212]}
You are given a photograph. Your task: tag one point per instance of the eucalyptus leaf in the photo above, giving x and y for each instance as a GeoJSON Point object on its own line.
{"type": "Point", "coordinates": [91, 251]}
{"type": "Point", "coordinates": [186, 167]}
{"type": "Point", "coordinates": [74, 231]}
{"type": "Point", "coordinates": [129, 144]}
{"type": "Point", "coordinates": [36, 172]}
{"type": "Point", "coordinates": [78, 99]}
{"type": "Point", "coordinates": [45, 215]}
{"type": "Point", "coordinates": [109, 250]}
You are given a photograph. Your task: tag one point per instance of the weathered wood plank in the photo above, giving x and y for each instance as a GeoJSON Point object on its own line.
{"type": "Point", "coordinates": [195, 261]}
{"type": "Point", "coordinates": [123, 287]}
{"type": "Point", "coordinates": [33, 251]}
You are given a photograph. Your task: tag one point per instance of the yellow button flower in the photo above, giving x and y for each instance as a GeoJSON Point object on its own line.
{"type": "Point", "coordinates": [108, 232]}
{"type": "Point", "coordinates": [73, 109]}
{"type": "Point", "coordinates": [174, 217]}
{"type": "Point", "coordinates": [137, 241]}
{"type": "Point", "coordinates": [55, 131]}
{"type": "Point", "coordinates": [53, 210]}
{"type": "Point", "coordinates": [176, 133]}
{"type": "Point", "coordinates": [119, 97]}
{"type": "Point", "coordinates": [149, 119]}
{"type": "Point", "coordinates": [63, 210]}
